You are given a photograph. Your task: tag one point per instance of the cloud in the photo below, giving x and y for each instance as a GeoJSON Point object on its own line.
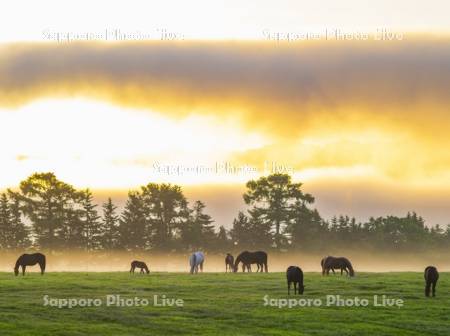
{"type": "Point", "coordinates": [337, 91]}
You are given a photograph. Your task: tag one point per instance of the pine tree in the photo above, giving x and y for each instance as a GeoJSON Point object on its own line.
{"type": "Point", "coordinates": [134, 233]}
{"type": "Point", "coordinates": [223, 242]}
{"type": "Point", "coordinates": [21, 233]}
{"type": "Point", "coordinates": [110, 226]}
{"type": "Point", "coordinates": [5, 222]}
{"type": "Point", "coordinates": [198, 232]}
{"type": "Point", "coordinates": [241, 233]}
{"type": "Point", "coordinates": [90, 225]}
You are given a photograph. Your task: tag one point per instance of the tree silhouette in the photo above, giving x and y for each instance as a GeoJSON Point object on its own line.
{"type": "Point", "coordinates": [158, 217]}
{"type": "Point", "coordinates": [134, 232]}
{"type": "Point", "coordinates": [20, 233]}
{"type": "Point", "coordinates": [5, 222]}
{"type": "Point", "coordinates": [91, 233]}
{"type": "Point", "coordinates": [165, 209]}
{"type": "Point", "coordinates": [272, 198]}
{"type": "Point", "coordinates": [110, 232]}
{"type": "Point", "coordinates": [198, 232]}
{"type": "Point", "coordinates": [50, 206]}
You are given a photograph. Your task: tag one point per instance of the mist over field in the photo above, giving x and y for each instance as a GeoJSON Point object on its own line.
{"type": "Point", "coordinates": [277, 262]}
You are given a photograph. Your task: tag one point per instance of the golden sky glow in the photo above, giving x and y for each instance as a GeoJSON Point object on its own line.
{"type": "Point", "coordinates": [117, 115]}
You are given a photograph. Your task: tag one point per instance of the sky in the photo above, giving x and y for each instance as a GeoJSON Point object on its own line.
{"type": "Point", "coordinates": [350, 98]}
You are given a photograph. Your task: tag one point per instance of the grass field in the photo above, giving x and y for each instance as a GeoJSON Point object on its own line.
{"type": "Point", "coordinates": [218, 303]}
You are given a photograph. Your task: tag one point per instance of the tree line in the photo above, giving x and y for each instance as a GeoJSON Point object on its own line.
{"type": "Point", "coordinates": [49, 214]}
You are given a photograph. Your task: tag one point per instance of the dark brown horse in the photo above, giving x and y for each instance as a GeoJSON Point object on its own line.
{"type": "Point", "coordinates": [341, 263]}
{"type": "Point", "coordinates": [139, 264]}
{"type": "Point", "coordinates": [229, 263]}
{"type": "Point", "coordinates": [431, 276]}
{"type": "Point", "coordinates": [30, 260]}
{"type": "Point", "coordinates": [294, 275]}
{"type": "Point", "coordinates": [247, 258]}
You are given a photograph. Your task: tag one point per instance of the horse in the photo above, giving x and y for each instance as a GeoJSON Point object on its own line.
{"type": "Point", "coordinates": [322, 262]}
{"type": "Point", "coordinates": [30, 260]}
{"type": "Point", "coordinates": [229, 262]}
{"type": "Point", "coordinates": [195, 261]}
{"type": "Point", "coordinates": [431, 276]}
{"type": "Point", "coordinates": [139, 264]}
{"type": "Point", "coordinates": [247, 258]}
{"type": "Point", "coordinates": [338, 263]}
{"type": "Point", "coordinates": [294, 275]}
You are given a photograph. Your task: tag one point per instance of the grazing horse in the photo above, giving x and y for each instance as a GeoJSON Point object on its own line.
{"type": "Point", "coordinates": [338, 263]}
{"type": "Point", "coordinates": [139, 264]}
{"type": "Point", "coordinates": [294, 275]}
{"type": "Point", "coordinates": [30, 260]}
{"type": "Point", "coordinates": [229, 262]}
{"type": "Point", "coordinates": [195, 261]}
{"type": "Point", "coordinates": [322, 263]}
{"type": "Point", "coordinates": [431, 277]}
{"type": "Point", "coordinates": [247, 258]}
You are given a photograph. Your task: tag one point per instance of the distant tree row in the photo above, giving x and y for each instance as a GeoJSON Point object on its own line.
{"type": "Point", "coordinates": [49, 214]}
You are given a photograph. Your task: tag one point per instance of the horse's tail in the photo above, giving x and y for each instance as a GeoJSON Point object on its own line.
{"type": "Point", "coordinates": [322, 263]}
{"type": "Point", "coordinates": [265, 262]}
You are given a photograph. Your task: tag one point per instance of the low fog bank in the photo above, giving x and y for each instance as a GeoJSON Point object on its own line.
{"type": "Point", "coordinates": [277, 262]}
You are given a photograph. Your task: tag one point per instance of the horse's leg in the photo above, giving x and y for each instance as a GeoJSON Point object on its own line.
{"type": "Point", "coordinates": [289, 288]}
{"type": "Point", "coordinates": [201, 266]}
{"type": "Point", "coordinates": [434, 288]}
{"type": "Point", "coordinates": [23, 269]}
{"type": "Point", "coordinates": [427, 289]}
{"type": "Point", "coordinates": [265, 265]}
{"type": "Point", "coordinates": [295, 288]}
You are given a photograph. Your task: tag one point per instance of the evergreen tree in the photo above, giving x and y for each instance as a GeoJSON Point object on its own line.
{"type": "Point", "coordinates": [50, 206]}
{"type": "Point", "coordinates": [222, 240]}
{"type": "Point", "coordinates": [198, 231]}
{"type": "Point", "coordinates": [134, 233]}
{"type": "Point", "coordinates": [241, 232]}
{"type": "Point", "coordinates": [110, 233]}
{"type": "Point", "coordinates": [166, 209]}
{"type": "Point", "coordinates": [20, 232]}
{"type": "Point", "coordinates": [90, 225]}
{"type": "Point", "coordinates": [272, 198]}
{"type": "Point", "coordinates": [5, 222]}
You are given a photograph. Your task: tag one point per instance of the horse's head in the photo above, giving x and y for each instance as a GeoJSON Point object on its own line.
{"type": "Point", "coordinates": [301, 289]}
{"type": "Point", "coordinates": [16, 271]}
